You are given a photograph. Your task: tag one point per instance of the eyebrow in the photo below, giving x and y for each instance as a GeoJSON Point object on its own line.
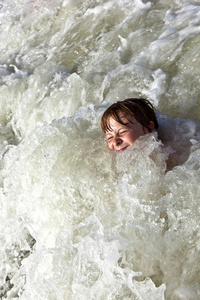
{"type": "Point", "coordinates": [109, 128]}
{"type": "Point", "coordinates": [108, 132]}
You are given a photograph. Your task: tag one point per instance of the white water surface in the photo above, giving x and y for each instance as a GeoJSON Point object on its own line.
{"type": "Point", "coordinates": [80, 222]}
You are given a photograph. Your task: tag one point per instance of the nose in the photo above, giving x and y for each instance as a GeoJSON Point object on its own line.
{"type": "Point", "coordinates": [117, 141]}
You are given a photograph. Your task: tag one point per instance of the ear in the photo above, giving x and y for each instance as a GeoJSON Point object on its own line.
{"type": "Point", "coordinates": [151, 126]}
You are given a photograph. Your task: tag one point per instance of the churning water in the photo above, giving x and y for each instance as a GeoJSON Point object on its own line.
{"type": "Point", "coordinates": [79, 222]}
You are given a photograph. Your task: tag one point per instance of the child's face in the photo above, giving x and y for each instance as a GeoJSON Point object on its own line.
{"type": "Point", "coordinates": [120, 137]}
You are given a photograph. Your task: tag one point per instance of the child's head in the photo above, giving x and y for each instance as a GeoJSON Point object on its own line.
{"type": "Point", "coordinates": [125, 121]}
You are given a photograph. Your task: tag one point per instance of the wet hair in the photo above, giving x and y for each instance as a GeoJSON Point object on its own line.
{"type": "Point", "coordinates": [141, 109]}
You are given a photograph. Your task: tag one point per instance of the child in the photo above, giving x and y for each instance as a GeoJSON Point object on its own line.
{"type": "Point", "coordinates": [125, 121]}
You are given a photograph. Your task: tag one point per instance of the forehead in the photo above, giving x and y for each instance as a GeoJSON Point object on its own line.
{"type": "Point", "coordinates": [124, 120]}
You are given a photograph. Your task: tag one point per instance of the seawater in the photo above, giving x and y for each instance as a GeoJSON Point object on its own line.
{"type": "Point", "coordinates": [78, 221]}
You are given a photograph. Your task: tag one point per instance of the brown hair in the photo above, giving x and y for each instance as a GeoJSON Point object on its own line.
{"type": "Point", "coordinates": [141, 109]}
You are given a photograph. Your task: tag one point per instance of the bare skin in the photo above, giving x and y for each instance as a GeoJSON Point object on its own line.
{"type": "Point", "coordinates": [120, 136]}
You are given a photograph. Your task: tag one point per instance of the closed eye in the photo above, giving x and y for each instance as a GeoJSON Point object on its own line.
{"type": "Point", "coordinates": [109, 138]}
{"type": "Point", "coordinates": [123, 131]}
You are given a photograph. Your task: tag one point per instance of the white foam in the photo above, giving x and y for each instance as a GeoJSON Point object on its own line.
{"type": "Point", "coordinates": [80, 221]}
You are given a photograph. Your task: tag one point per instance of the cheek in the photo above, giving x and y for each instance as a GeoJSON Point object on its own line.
{"type": "Point", "coordinates": [134, 135]}
{"type": "Point", "coordinates": [109, 145]}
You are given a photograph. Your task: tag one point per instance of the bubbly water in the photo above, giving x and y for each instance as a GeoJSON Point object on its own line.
{"type": "Point", "coordinates": [79, 221]}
